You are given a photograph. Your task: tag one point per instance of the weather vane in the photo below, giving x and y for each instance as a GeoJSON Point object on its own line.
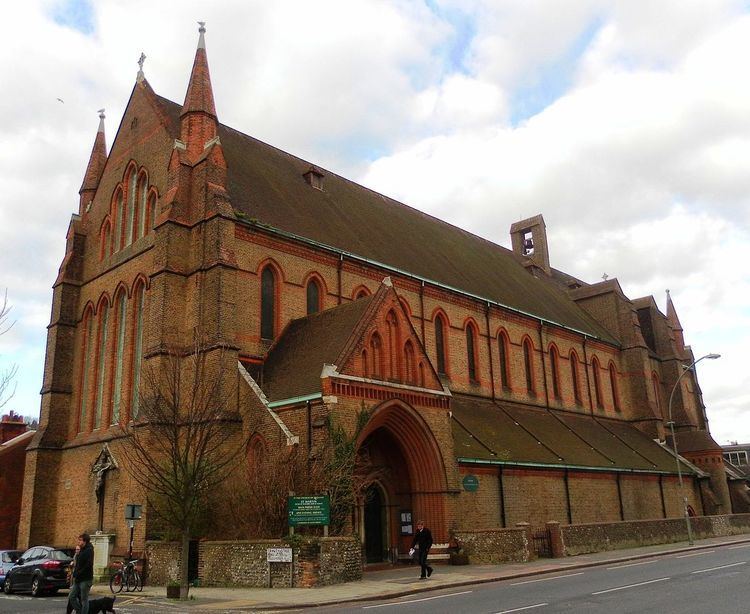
{"type": "Point", "coordinates": [605, 277]}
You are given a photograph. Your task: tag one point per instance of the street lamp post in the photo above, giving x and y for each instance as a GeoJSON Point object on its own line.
{"type": "Point", "coordinates": [674, 444]}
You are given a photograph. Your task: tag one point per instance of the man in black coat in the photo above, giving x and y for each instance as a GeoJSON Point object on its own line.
{"type": "Point", "coordinates": [83, 575]}
{"type": "Point", "coordinates": [423, 542]}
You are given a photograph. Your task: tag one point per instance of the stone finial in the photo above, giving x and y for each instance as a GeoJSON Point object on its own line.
{"type": "Point", "coordinates": [141, 60]}
{"type": "Point", "coordinates": [201, 37]}
{"type": "Point", "coordinates": [101, 120]}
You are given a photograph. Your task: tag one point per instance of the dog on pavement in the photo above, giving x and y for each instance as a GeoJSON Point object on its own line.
{"type": "Point", "coordinates": [101, 605]}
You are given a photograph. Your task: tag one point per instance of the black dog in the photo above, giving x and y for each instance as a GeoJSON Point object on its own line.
{"type": "Point", "coordinates": [102, 605]}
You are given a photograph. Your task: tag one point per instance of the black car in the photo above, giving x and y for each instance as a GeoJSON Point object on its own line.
{"type": "Point", "coordinates": [40, 569]}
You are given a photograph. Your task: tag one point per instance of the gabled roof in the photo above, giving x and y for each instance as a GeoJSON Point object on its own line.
{"type": "Point", "coordinates": [267, 186]}
{"type": "Point", "coordinates": [294, 363]}
{"type": "Point", "coordinates": [502, 433]}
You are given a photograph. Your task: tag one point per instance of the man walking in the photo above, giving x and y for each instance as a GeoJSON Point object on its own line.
{"type": "Point", "coordinates": [423, 542]}
{"type": "Point", "coordinates": [83, 575]}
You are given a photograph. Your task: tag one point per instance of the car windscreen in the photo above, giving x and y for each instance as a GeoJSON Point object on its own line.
{"type": "Point", "coordinates": [59, 555]}
{"type": "Point", "coordinates": [10, 557]}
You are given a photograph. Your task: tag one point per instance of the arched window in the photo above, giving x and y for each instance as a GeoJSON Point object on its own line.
{"type": "Point", "coordinates": [376, 351]}
{"type": "Point", "coordinates": [130, 217]}
{"type": "Point", "coordinates": [597, 383]}
{"type": "Point", "coordinates": [105, 236]}
{"type": "Point", "coordinates": [409, 374]}
{"type": "Point", "coordinates": [503, 346]}
{"type": "Point", "coordinates": [119, 217]}
{"type": "Point", "coordinates": [142, 213]}
{"type": "Point", "coordinates": [139, 301]}
{"type": "Point", "coordinates": [151, 212]}
{"type": "Point", "coordinates": [471, 352]}
{"type": "Point", "coordinates": [421, 374]}
{"type": "Point", "coordinates": [613, 385]}
{"type": "Point", "coordinates": [313, 297]}
{"type": "Point", "coordinates": [120, 327]}
{"type": "Point", "coordinates": [365, 364]}
{"type": "Point", "coordinates": [657, 391]}
{"type": "Point", "coordinates": [440, 344]}
{"type": "Point", "coordinates": [554, 361]}
{"type": "Point", "coordinates": [101, 361]}
{"type": "Point", "coordinates": [574, 377]}
{"type": "Point", "coordinates": [267, 304]}
{"type": "Point", "coordinates": [87, 350]}
{"type": "Point", "coordinates": [361, 293]}
{"type": "Point", "coordinates": [528, 363]}
{"type": "Point", "coordinates": [393, 345]}
{"type": "Point", "coordinates": [256, 452]}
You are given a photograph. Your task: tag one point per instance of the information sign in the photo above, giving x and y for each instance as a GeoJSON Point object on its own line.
{"type": "Point", "coordinates": [471, 483]}
{"type": "Point", "coordinates": [279, 555]}
{"type": "Point", "coordinates": [309, 510]}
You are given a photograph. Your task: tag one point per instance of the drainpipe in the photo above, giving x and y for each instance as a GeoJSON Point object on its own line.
{"type": "Point", "coordinates": [544, 366]}
{"type": "Point", "coordinates": [619, 496]}
{"type": "Point", "coordinates": [501, 492]}
{"type": "Point", "coordinates": [586, 369]}
{"type": "Point", "coordinates": [309, 428]}
{"type": "Point", "coordinates": [567, 497]}
{"type": "Point", "coordinates": [489, 349]}
{"type": "Point", "coordinates": [421, 307]}
{"type": "Point", "coordinates": [661, 492]}
{"type": "Point", "coordinates": [341, 264]}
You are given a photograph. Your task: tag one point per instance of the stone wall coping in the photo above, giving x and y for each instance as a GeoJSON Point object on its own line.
{"type": "Point", "coordinates": [278, 540]}
{"type": "Point", "coordinates": [497, 530]}
{"type": "Point", "coordinates": [645, 521]}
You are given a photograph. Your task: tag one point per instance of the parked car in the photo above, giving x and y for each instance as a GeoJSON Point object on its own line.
{"type": "Point", "coordinates": [7, 560]}
{"type": "Point", "coordinates": [38, 570]}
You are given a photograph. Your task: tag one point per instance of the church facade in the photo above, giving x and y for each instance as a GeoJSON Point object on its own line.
{"type": "Point", "coordinates": [499, 389]}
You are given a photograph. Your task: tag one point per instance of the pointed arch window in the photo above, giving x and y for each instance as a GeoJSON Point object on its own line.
{"type": "Point", "coordinates": [409, 374]}
{"type": "Point", "coordinates": [613, 385]}
{"type": "Point", "coordinates": [421, 374]}
{"type": "Point", "coordinates": [101, 363]}
{"type": "Point", "coordinates": [139, 301]}
{"type": "Point", "coordinates": [151, 212]}
{"type": "Point", "coordinates": [130, 210]}
{"type": "Point", "coordinates": [528, 363]}
{"type": "Point", "coordinates": [267, 303]}
{"type": "Point", "coordinates": [87, 345]}
{"type": "Point", "coordinates": [142, 197]}
{"type": "Point", "coordinates": [574, 378]}
{"type": "Point", "coordinates": [105, 249]}
{"type": "Point", "coordinates": [471, 352]}
{"type": "Point", "coordinates": [313, 297]}
{"type": "Point", "coordinates": [393, 345]}
{"type": "Point", "coordinates": [119, 217]}
{"type": "Point", "coordinates": [120, 319]}
{"type": "Point", "coordinates": [365, 364]}
{"type": "Point", "coordinates": [376, 351]}
{"type": "Point", "coordinates": [440, 344]}
{"type": "Point", "coordinates": [554, 361]}
{"type": "Point", "coordinates": [597, 383]}
{"type": "Point", "coordinates": [504, 367]}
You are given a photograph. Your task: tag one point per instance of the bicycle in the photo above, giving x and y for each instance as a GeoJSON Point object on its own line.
{"type": "Point", "coordinates": [126, 576]}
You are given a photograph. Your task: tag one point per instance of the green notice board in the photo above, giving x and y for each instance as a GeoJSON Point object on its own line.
{"type": "Point", "coordinates": [309, 510]}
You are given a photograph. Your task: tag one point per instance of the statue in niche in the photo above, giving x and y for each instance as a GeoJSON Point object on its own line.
{"type": "Point", "coordinates": [104, 462]}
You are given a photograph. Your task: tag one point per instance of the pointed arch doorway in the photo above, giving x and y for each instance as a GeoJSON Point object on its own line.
{"type": "Point", "coordinates": [401, 464]}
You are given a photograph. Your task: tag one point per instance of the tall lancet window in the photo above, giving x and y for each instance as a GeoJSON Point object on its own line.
{"type": "Point", "coordinates": [121, 317]}
{"type": "Point", "coordinates": [267, 303]}
{"type": "Point", "coordinates": [440, 344]}
{"type": "Point", "coordinates": [101, 360]}
{"type": "Point", "coordinates": [139, 301]}
{"type": "Point", "coordinates": [88, 348]}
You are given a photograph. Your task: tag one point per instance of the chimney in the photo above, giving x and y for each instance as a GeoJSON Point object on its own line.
{"type": "Point", "coordinates": [11, 425]}
{"type": "Point", "coordinates": [529, 239]}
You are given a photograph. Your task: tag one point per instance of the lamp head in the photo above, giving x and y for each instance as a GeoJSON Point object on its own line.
{"type": "Point", "coordinates": [712, 356]}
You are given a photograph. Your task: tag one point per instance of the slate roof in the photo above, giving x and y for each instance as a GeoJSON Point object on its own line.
{"type": "Point", "coordinates": [293, 365]}
{"type": "Point", "coordinates": [503, 433]}
{"type": "Point", "coordinates": [267, 185]}
{"type": "Point", "coordinates": [695, 441]}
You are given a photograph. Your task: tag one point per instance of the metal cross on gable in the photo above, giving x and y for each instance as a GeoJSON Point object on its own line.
{"type": "Point", "coordinates": [141, 60]}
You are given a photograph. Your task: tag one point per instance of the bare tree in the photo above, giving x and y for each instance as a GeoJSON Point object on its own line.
{"type": "Point", "coordinates": [7, 375]}
{"type": "Point", "coordinates": [184, 442]}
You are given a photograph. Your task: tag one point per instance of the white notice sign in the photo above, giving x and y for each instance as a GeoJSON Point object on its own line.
{"type": "Point", "coordinates": [279, 555]}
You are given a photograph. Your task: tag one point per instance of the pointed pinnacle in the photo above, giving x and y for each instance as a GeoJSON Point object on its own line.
{"type": "Point", "coordinates": [201, 37]}
{"type": "Point", "coordinates": [101, 120]}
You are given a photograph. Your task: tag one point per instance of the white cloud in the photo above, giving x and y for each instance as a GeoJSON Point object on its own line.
{"type": "Point", "coordinates": [637, 156]}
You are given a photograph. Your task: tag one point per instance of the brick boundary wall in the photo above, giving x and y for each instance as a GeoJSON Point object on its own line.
{"type": "Point", "coordinates": [597, 537]}
{"type": "Point", "coordinates": [494, 546]}
{"type": "Point", "coordinates": [317, 562]}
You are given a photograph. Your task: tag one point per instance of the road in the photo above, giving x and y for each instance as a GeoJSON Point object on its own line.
{"type": "Point", "coordinates": [715, 581]}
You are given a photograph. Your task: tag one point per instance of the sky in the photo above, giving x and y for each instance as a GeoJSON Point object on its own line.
{"type": "Point", "coordinates": [626, 123]}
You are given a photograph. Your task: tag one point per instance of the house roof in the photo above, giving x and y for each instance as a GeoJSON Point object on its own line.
{"type": "Point", "coordinates": [19, 440]}
{"type": "Point", "coordinates": [494, 432]}
{"type": "Point", "coordinates": [267, 185]}
{"type": "Point", "coordinates": [294, 363]}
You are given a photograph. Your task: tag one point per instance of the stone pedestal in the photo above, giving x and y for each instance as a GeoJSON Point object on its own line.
{"type": "Point", "coordinates": [102, 547]}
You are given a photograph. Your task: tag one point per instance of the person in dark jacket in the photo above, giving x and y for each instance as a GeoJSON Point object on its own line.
{"type": "Point", "coordinates": [83, 575]}
{"type": "Point", "coordinates": [423, 542]}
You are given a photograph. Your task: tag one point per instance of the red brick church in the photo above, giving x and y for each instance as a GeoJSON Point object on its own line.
{"type": "Point", "coordinates": [501, 389]}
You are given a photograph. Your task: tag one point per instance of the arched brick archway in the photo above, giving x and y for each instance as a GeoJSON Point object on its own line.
{"type": "Point", "coordinates": [400, 445]}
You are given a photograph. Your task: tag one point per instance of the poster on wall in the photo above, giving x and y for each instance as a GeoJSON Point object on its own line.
{"type": "Point", "coordinates": [407, 526]}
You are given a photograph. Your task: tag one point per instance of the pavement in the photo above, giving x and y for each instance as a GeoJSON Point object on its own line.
{"type": "Point", "coordinates": [402, 580]}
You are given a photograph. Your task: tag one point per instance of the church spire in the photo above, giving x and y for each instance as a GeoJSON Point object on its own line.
{"type": "Point", "coordinates": [198, 118]}
{"type": "Point", "coordinates": [95, 167]}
